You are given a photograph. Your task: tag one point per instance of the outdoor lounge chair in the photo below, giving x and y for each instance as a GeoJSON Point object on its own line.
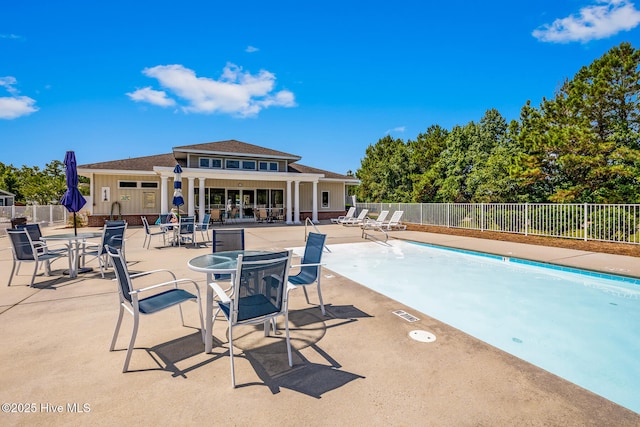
{"type": "Point", "coordinates": [310, 267]}
{"type": "Point", "coordinates": [378, 222]}
{"type": "Point", "coordinates": [259, 296]}
{"type": "Point", "coordinates": [350, 213]}
{"type": "Point", "coordinates": [358, 220]}
{"type": "Point", "coordinates": [130, 298]}
{"type": "Point", "coordinates": [148, 234]}
{"type": "Point", "coordinates": [394, 222]}
{"type": "Point", "coordinates": [25, 251]}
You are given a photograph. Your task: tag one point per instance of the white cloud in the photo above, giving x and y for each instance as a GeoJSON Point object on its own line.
{"type": "Point", "coordinates": [251, 49]}
{"type": "Point", "coordinates": [399, 129]}
{"type": "Point", "coordinates": [10, 36]}
{"type": "Point", "coordinates": [155, 97]}
{"type": "Point", "coordinates": [236, 92]}
{"type": "Point", "coordinates": [606, 18]}
{"type": "Point", "coordinates": [12, 107]}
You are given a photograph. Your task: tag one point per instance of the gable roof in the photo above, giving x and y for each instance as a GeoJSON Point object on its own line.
{"type": "Point", "coordinates": [147, 163]}
{"type": "Point", "coordinates": [136, 163]}
{"type": "Point", "coordinates": [232, 148]}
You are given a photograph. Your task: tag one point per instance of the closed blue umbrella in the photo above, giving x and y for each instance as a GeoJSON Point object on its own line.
{"type": "Point", "coordinates": [72, 199]}
{"type": "Point", "coordinates": [177, 187]}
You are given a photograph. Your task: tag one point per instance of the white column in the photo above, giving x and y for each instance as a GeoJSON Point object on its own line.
{"type": "Point", "coordinates": [164, 198]}
{"type": "Point", "coordinates": [201, 199]}
{"type": "Point", "coordinates": [296, 213]}
{"type": "Point", "coordinates": [314, 212]}
{"type": "Point", "coordinates": [288, 205]}
{"type": "Point", "coordinates": [191, 205]}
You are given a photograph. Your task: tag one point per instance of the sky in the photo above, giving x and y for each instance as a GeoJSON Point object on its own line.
{"type": "Point", "coordinates": [322, 80]}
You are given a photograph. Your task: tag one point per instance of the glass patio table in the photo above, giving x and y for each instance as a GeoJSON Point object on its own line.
{"type": "Point", "coordinates": [74, 241]}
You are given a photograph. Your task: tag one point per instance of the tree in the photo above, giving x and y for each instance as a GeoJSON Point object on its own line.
{"type": "Point", "coordinates": [583, 145]}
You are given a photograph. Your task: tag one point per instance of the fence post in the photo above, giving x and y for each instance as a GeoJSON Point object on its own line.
{"type": "Point", "coordinates": [481, 216]}
{"type": "Point", "coordinates": [585, 221]}
{"type": "Point", "coordinates": [526, 219]}
{"type": "Point", "coordinates": [448, 213]}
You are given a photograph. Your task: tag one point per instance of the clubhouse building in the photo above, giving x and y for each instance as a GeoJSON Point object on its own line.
{"type": "Point", "coordinates": [227, 176]}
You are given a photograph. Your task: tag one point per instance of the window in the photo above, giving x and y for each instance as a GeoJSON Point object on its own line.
{"type": "Point", "coordinates": [268, 166]}
{"type": "Point", "coordinates": [137, 184]}
{"type": "Point", "coordinates": [249, 165]}
{"type": "Point", "coordinates": [325, 199]}
{"type": "Point", "coordinates": [209, 163]}
{"type": "Point", "coordinates": [232, 164]}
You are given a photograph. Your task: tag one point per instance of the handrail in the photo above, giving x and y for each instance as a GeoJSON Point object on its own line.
{"type": "Point", "coordinates": [307, 220]}
{"type": "Point", "coordinates": [372, 226]}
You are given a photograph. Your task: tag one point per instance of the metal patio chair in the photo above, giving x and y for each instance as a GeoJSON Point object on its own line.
{"type": "Point", "coordinates": [259, 296]}
{"type": "Point", "coordinates": [130, 298]}
{"type": "Point", "coordinates": [25, 251]}
{"type": "Point", "coordinates": [310, 267]}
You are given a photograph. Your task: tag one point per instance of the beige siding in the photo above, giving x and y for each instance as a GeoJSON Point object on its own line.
{"type": "Point", "coordinates": [131, 200]}
{"type": "Point", "coordinates": [336, 196]}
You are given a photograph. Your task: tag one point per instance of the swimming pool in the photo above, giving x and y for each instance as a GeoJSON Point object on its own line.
{"type": "Point", "coordinates": [581, 326]}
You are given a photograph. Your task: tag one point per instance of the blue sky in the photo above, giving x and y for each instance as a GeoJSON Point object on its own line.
{"type": "Point", "coordinates": [322, 80]}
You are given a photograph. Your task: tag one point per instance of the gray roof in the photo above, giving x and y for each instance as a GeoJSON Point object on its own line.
{"type": "Point", "coordinates": [232, 147]}
{"type": "Point", "coordinates": [223, 147]}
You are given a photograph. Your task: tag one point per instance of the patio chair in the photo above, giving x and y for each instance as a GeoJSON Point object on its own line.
{"type": "Point", "coordinates": [259, 296]}
{"type": "Point", "coordinates": [36, 234]}
{"type": "Point", "coordinates": [130, 298]}
{"type": "Point", "coordinates": [310, 267]}
{"type": "Point", "coordinates": [115, 222]}
{"type": "Point", "coordinates": [187, 230]}
{"type": "Point", "coordinates": [25, 251]}
{"type": "Point", "coordinates": [216, 216]}
{"type": "Point", "coordinates": [350, 213]}
{"type": "Point", "coordinates": [261, 215]}
{"type": "Point", "coordinates": [394, 222]}
{"type": "Point", "coordinates": [203, 227]}
{"type": "Point", "coordinates": [227, 239]}
{"type": "Point", "coordinates": [112, 236]}
{"type": "Point", "coordinates": [357, 220]}
{"type": "Point", "coordinates": [148, 234]}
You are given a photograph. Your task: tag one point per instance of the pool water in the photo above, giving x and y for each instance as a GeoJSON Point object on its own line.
{"type": "Point", "coordinates": [577, 325]}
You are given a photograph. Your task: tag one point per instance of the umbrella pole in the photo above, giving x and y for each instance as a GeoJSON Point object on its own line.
{"type": "Point", "coordinates": [75, 225]}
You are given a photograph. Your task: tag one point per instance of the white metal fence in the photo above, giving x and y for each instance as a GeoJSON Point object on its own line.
{"type": "Point", "coordinates": [608, 223]}
{"type": "Point", "coordinates": [46, 216]}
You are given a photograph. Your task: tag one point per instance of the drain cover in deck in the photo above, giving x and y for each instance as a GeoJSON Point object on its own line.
{"type": "Point", "coordinates": [422, 336]}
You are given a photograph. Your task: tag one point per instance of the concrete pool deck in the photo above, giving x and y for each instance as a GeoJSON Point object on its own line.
{"type": "Point", "coordinates": [356, 366]}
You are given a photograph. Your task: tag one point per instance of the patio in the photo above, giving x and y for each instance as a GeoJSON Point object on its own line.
{"type": "Point", "coordinates": [356, 366]}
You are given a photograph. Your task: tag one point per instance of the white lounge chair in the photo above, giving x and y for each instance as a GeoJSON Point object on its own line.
{"type": "Point", "coordinates": [350, 213]}
{"type": "Point", "coordinates": [356, 221]}
{"type": "Point", "coordinates": [394, 222]}
{"type": "Point", "coordinates": [378, 222]}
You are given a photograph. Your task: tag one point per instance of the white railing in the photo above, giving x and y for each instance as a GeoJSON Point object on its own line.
{"type": "Point", "coordinates": [601, 222]}
{"type": "Point", "coordinates": [46, 215]}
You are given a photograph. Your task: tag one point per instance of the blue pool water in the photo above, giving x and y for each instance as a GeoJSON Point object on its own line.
{"type": "Point", "coordinates": [574, 324]}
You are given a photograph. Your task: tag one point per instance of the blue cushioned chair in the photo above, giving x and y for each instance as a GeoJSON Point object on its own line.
{"type": "Point", "coordinates": [131, 301]}
{"type": "Point", "coordinates": [259, 296]}
{"type": "Point", "coordinates": [310, 268]}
